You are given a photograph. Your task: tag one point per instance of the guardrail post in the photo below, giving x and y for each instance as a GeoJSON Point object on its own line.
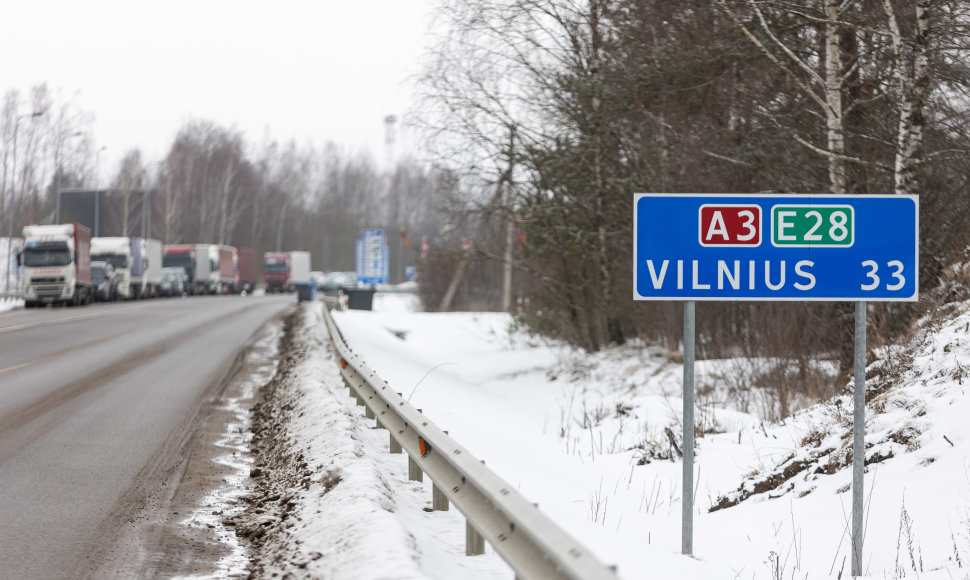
{"type": "Point", "coordinates": [439, 501]}
{"type": "Point", "coordinates": [414, 471]}
{"type": "Point", "coordinates": [395, 446]}
{"type": "Point", "coordinates": [474, 542]}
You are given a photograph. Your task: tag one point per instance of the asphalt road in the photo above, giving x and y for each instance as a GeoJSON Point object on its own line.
{"type": "Point", "coordinates": [96, 406]}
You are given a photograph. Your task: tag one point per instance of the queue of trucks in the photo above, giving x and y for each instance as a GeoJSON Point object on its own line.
{"type": "Point", "coordinates": [57, 258]}
{"type": "Point", "coordinates": [211, 268]}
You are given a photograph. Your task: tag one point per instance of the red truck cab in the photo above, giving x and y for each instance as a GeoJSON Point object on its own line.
{"type": "Point", "coordinates": [276, 272]}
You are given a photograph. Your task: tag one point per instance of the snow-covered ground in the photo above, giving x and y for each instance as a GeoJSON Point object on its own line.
{"type": "Point", "coordinates": [583, 436]}
{"type": "Point", "coordinates": [14, 273]}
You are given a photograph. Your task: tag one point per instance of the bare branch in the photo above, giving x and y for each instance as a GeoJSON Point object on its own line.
{"type": "Point", "coordinates": [848, 158]}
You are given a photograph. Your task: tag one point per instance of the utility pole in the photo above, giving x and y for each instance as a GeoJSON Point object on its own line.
{"type": "Point", "coordinates": [389, 123]}
{"type": "Point", "coordinates": [97, 193]}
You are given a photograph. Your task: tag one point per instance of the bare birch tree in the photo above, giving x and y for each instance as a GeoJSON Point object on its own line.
{"type": "Point", "coordinates": [914, 46]}
{"type": "Point", "coordinates": [824, 88]}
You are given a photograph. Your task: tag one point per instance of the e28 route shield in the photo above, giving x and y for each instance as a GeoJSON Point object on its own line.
{"type": "Point", "coordinates": [776, 247]}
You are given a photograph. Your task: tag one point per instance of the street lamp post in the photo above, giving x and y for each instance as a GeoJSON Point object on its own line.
{"type": "Point", "coordinates": [57, 179]}
{"type": "Point", "coordinates": [97, 192]}
{"type": "Point", "coordinates": [13, 191]}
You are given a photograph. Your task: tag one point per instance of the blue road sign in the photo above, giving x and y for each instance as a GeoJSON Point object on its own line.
{"type": "Point", "coordinates": [776, 247]}
{"type": "Point", "coordinates": [372, 257]}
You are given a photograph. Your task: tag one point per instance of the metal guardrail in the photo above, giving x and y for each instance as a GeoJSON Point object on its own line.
{"type": "Point", "coordinates": [11, 296]}
{"type": "Point", "coordinates": [531, 543]}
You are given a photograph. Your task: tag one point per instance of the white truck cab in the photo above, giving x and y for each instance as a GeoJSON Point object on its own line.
{"type": "Point", "coordinates": [57, 264]}
{"type": "Point", "coordinates": [120, 252]}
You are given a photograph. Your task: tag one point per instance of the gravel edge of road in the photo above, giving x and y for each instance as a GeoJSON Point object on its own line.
{"type": "Point", "coordinates": [280, 469]}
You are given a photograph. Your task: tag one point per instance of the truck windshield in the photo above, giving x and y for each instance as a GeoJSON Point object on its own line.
{"type": "Point", "coordinates": [97, 274]}
{"type": "Point", "coordinates": [177, 260]}
{"type": "Point", "coordinates": [41, 254]}
{"type": "Point", "coordinates": [116, 260]}
{"type": "Point", "coordinates": [183, 260]}
{"type": "Point", "coordinates": [275, 268]}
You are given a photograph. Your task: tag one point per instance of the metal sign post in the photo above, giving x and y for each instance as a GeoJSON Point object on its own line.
{"type": "Point", "coordinates": [858, 436]}
{"type": "Point", "coordinates": [854, 248]}
{"type": "Point", "coordinates": [687, 505]}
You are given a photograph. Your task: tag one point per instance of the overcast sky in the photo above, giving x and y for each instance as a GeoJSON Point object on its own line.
{"type": "Point", "coordinates": [318, 70]}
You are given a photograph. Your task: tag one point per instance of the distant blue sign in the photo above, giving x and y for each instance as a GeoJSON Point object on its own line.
{"type": "Point", "coordinates": [776, 247]}
{"type": "Point", "coordinates": [372, 259]}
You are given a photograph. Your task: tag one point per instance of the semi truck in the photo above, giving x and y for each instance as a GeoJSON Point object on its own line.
{"type": "Point", "coordinates": [187, 257]}
{"type": "Point", "coordinates": [276, 272]}
{"type": "Point", "coordinates": [282, 271]}
{"type": "Point", "coordinates": [125, 254]}
{"type": "Point", "coordinates": [57, 264]}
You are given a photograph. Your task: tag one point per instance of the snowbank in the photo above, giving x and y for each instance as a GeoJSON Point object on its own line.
{"type": "Point", "coordinates": [7, 249]}
{"type": "Point", "coordinates": [330, 501]}
{"type": "Point", "coordinates": [584, 436]}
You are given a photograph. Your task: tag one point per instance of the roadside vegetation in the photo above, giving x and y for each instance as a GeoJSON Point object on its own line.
{"type": "Point", "coordinates": [560, 110]}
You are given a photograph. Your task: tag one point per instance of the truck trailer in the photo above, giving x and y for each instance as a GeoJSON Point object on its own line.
{"type": "Point", "coordinates": [246, 261]}
{"type": "Point", "coordinates": [299, 268]}
{"type": "Point", "coordinates": [228, 275]}
{"type": "Point", "coordinates": [57, 264]}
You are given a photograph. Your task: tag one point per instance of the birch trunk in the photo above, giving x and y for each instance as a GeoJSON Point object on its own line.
{"type": "Point", "coordinates": [507, 265]}
{"type": "Point", "coordinates": [913, 67]}
{"type": "Point", "coordinates": [832, 83]}
{"type": "Point", "coordinates": [833, 98]}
